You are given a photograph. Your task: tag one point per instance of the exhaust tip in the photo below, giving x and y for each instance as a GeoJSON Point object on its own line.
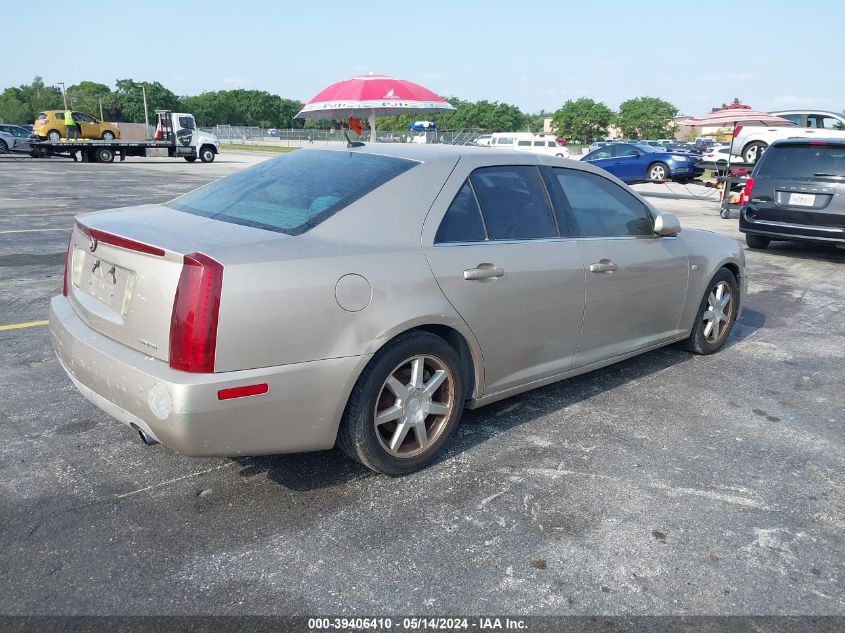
{"type": "Point", "coordinates": [145, 438]}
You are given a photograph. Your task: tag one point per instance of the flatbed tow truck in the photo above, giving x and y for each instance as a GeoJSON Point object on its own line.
{"type": "Point", "coordinates": [175, 132]}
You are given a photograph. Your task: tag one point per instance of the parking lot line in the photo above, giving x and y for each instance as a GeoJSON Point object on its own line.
{"type": "Point", "coordinates": [20, 326]}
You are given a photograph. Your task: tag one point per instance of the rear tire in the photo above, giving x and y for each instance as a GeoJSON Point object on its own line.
{"type": "Point", "coordinates": [657, 172]}
{"type": "Point", "coordinates": [752, 152]}
{"type": "Point", "coordinates": [104, 155]}
{"type": "Point", "coordinates": [716, 315]}
{"type": "Point", "coordinates": [757, 241]}
{"type": "Point", "coordinates": [53, 135]}
{"type": "Point", "coordinates": [415, 386]}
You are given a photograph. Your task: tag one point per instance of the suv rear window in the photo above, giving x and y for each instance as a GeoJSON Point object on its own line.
{"type": "Point", "coordinates": [292, 194]}
{"type": "Point", "coordinates": [803, 161]}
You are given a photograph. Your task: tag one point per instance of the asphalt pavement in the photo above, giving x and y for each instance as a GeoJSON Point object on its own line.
{"type": "Point", "coordinates": [666, 484]}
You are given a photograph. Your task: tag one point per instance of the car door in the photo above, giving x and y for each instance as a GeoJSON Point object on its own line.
{"type": "Point", "coordinates": [627, 164]}
{"type": "Point", "coordinates": [636, 280]}
{"type": "Point", "coordinates": [494, 246]}
{"type": "Point", "coordinates": [88, 126]}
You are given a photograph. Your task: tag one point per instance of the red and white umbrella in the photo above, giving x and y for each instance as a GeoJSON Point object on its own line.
{"type": "Point", "coordinates": [735, 115]}
{"type": "Point", "coordinates": [371, 96]}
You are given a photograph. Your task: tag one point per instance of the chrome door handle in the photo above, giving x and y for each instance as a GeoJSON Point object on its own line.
{"type": "Point", "coordinates": [484, 271]}
{"type": "Point", "coordinates": [603, 266]}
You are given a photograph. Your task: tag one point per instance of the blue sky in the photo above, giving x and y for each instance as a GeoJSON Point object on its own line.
{"type": "Point", "coordinates": [535, 55]}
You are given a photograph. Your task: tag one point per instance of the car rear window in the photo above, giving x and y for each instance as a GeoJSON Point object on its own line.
{"type": "Point", "coordinates": [294, 193]}
{"type": "Point", "coordinates": [803, 161]}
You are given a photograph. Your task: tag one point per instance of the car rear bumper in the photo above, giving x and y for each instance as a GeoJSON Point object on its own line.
{"type": "Point", "coordinates": [300, 412]}
{"type": "Point", "coordinates": [790, 230]}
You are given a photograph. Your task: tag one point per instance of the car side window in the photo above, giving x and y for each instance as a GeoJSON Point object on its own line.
{"type": "Point", "coordinates": [626, 150]}
{"type": "Point", "coordinates": [60, 116]}
{"type": "Point", "coordinates": [514, 203]}
{"type": "Point", "coordinates": [599, 153]}
{"type": "Point", "coordinates": [601, 208]}
{"type": "Point", "coordinates": [462, 222]}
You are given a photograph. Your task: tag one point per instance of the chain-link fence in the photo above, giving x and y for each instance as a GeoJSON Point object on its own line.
{"type": "Point", "coordinates": [245, 135]}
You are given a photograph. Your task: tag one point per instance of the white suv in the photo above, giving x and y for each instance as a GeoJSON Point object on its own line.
{"type": "Point", "coordinates": [751, 141]}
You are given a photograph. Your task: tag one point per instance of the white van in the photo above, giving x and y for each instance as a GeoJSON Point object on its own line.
{"type": "Point", "coordinates": [525, 142]}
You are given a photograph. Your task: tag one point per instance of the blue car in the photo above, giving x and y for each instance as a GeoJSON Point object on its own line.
{"type": "Point", "coordinates": [634, 162]}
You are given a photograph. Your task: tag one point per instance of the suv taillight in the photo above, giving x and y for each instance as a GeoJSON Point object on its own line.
{"type": "Point", "coordinates": [193, 324]}
{"type": "Point", "coordinates": [745, 196]}
{"type": "Point", "coordinates": [737, 130]}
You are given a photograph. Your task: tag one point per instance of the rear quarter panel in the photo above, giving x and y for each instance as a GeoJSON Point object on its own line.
{"type": "Point", "coordinates": [279, 302]}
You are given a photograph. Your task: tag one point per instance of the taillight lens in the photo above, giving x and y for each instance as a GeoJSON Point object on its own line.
{"type": "Point", "coordinates": [193, 324]}
{"type": "Point", "coordinates": [745, 196]}
{"type": "Point", "coordinates": [67, 256]}
{"type": "Point", "coordinates": [737, 130]}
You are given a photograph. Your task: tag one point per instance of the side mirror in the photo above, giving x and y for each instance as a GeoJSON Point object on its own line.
{"type": "Point", "coordinates": [667, 224]}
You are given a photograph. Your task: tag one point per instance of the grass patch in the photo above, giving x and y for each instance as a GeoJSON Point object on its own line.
{"type": "Point", "coordinates": [257, 148]}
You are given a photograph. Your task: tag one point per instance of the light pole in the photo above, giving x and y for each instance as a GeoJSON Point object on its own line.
{"type": "Point", "coordinates": [146, 116]}
{"type": "Point", "coordinates": [64, 94]}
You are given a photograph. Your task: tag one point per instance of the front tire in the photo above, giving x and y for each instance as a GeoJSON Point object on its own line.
{"type": "Point", "coordinates": [757, 241]}
{"type": "Point", "coordinates": [716, 315]}
{"type": "Point", "coordinates": [3, 146]}
{"type": "Point", "coordinates": [657, 172]}
{"type": "Point", "coordinates": [752, 152]}
{"type": "Point", "coordinates": [206, 154]}
{"type": "Point", "coordinates": [191, 159]}
{"type": "Point", "coordinates": [108, 136]}
{"type": "Point", "coordinates": [405, 406]}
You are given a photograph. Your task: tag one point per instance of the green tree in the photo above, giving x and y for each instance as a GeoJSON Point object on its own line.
{"type": "Point", "coordinates": [22, 104]}
{"type": "Point", "coordinates": [87, 96]}
{"type": "Point", "coordinates": [583, 119]}
{"type": "Point", "coordinates": [130, 101]}
{"type": "Point", "coordinates": [646, 117]}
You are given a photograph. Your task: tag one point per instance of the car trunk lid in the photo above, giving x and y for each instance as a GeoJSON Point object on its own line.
{"type": "Point", "coordinates": [124, 267]}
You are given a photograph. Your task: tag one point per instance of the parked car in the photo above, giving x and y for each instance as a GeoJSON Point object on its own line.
{"type": "Point", "coordinates": [16, 137]}
{"type": "Point", "coordinates": [483, 140]}
{"type": "Point", "coordinates": [703, 144]}
{"type": "Point", "coordinates": [796, 192]}
{"type": "Point", "coordinates": [643, 163]}
{"type": "Point", "coordinates": [720, 155]}
{"type": "Point", "coordinates": [281, 309]}
{"type": "Point", "coordinates": [50, 124]}
{"type": "Point", "coordinates": [751, 141]}
{"type": "Point", "coordinates": [546, 145]}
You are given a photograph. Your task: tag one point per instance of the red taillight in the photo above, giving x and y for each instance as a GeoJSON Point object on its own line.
{"type": "Point", "coordinates": [67, 256]}
{"type": "Point", "coordinates": [193, 324]}
{"type": "Point", "coordinates": [818, 143]}
{"type": "Point", "coordinates": [737, 130]}
{"type": "Point", "coordinates": [242, 392]}
{"type": "Point", "coordinates": [745, 196]}
{"type": "Point", "coordinates": [96, 235]}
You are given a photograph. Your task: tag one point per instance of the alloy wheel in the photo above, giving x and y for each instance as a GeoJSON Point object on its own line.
{"type": "Point", "coordinates": [657, 173]}
{"type": "Point", "coordinates": [719, 311]}
{"type": "Point", "coordinates": [414, 406]}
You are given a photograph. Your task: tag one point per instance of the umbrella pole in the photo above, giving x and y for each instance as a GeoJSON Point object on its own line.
{"type": "Point", "coordinates": [372, 120]}
{"type": "Point", "coordinates": [726, 188]}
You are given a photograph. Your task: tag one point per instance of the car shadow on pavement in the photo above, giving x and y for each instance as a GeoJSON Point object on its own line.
{"type": "Point", "coordinates": [325, 469]}
{"type": "Point", "coordinates": [804, 250]}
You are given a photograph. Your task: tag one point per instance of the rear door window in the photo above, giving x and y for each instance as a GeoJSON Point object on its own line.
{"type": "Point", "coordinates": [462, 222]}
{"type": "Point", "coordinates": [292, 194]}
{"type": "Point", "coordinates": [514, 203]}
{"type": "Point", "coordinates": [600, 208]}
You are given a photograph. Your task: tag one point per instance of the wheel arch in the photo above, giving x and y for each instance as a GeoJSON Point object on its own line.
{"type": "Point", "coordinates": [457, 335]}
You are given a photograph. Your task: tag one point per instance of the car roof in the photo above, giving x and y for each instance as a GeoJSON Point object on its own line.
{"type": "Point", "coordinates": [801, 140]}
{"type": "Point", "coordinates": [805, 111]}
{"type": "Point", "coordinates": [421, 152]}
